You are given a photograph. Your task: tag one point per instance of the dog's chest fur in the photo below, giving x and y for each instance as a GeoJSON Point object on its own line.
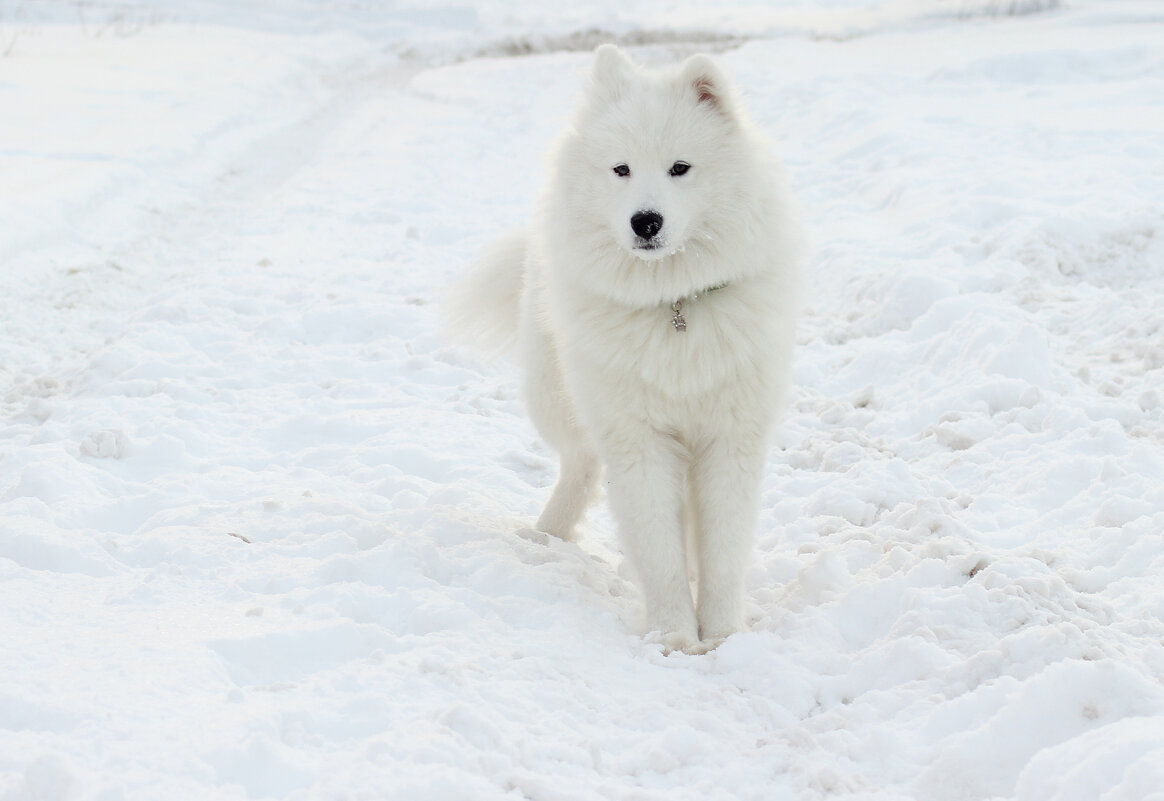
{"type": "Point", "coordinates": [634, 357]}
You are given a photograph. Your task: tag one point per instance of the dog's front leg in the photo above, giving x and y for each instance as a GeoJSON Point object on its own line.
{"type": "Point", "coordinates": [644, 487]}
{"type": "Point", "coordinates": [726, 478]}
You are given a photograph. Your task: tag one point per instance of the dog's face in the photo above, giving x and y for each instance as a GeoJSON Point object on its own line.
{"type": "Point", "coordinates": [652, 204]}
{"type": "Point", "coordinates": [654, 148]}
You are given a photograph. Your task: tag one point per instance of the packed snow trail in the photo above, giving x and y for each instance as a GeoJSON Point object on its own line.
{"type": "Point", "coordinates": [259, 527]}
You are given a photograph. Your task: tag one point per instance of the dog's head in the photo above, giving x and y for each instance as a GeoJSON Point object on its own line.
{"type": "Point", "coordinates": [656, 152]}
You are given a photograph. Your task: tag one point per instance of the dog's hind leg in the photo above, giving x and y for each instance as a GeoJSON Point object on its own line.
{"type": "Point", "coordinates": [553, 415]}
{"type": "Point", "coordinates": [573, 492]}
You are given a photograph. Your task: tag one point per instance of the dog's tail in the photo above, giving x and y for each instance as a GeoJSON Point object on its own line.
{"type": "Point", "coordinates": [481, 309]}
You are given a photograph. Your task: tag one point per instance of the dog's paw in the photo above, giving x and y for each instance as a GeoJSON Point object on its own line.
{"type": "Point", "coordinates": [557, 532]}
{"type": "Point", "coordinates": [679, 641]}
{"type": "Point", "coordinates": [709, 644]}
{"type": "Point", "coordinates": [718, 621]}
{"type": "Point", "coordinates": [533, 535]}
{"type": "Point", "coordinates": [715, 637]}
{"type": "Point", "coordinates": [686, 643]}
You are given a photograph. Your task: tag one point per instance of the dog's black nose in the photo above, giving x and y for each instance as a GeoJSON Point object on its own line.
{"type": "Point", "coordinates": [646, 223]}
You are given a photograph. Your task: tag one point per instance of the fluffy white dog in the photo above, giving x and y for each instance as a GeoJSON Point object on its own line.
{"type": "Point", "coordinates": [653, 302]}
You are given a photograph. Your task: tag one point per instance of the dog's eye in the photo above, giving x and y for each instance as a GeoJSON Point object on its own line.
{"type": "Point", "coordinates": [679, 168]}
{"type": "Point", "coordinates": [621, 170]}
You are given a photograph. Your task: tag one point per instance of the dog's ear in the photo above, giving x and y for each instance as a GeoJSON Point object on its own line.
{"type": "Point", "coordinates": [707, 82]}
{"type": "Point", "coordinates": [611, 72]}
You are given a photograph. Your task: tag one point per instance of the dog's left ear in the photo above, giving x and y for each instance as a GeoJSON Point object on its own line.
{"type": "Point", "coordinates": [611, 73]}
{"type": "Point", "coordinates": [708, 83]}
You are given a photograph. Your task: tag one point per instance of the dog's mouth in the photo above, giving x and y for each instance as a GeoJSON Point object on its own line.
{"type": "Point", "coordinates": [651, 243]}
{"type": "Point", "coordinates": [651, 249]}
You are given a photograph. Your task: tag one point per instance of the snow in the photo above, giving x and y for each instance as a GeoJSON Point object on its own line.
{"type": "Point", "coordinates": [264, 535]}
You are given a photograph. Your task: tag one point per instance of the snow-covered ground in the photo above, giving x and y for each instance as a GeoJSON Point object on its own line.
{"type": "Point", "coordinates": [257, 521]}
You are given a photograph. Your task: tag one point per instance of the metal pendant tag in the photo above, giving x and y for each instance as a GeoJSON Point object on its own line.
{"type": "Point", "coordinates": [677, 320]}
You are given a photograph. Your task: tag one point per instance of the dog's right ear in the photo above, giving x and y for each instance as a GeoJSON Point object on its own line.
{"type": "Point", "coordinates": [708, 83]}
{"type": "Point", "coordinates": [611, 72]}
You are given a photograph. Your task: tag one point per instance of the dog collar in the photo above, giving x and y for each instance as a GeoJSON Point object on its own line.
{"type": "Point", "coordinates": [678, 322]}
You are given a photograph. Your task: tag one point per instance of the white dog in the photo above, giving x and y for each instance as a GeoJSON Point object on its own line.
{"type": "Point", "coordinates": [653, 302]}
